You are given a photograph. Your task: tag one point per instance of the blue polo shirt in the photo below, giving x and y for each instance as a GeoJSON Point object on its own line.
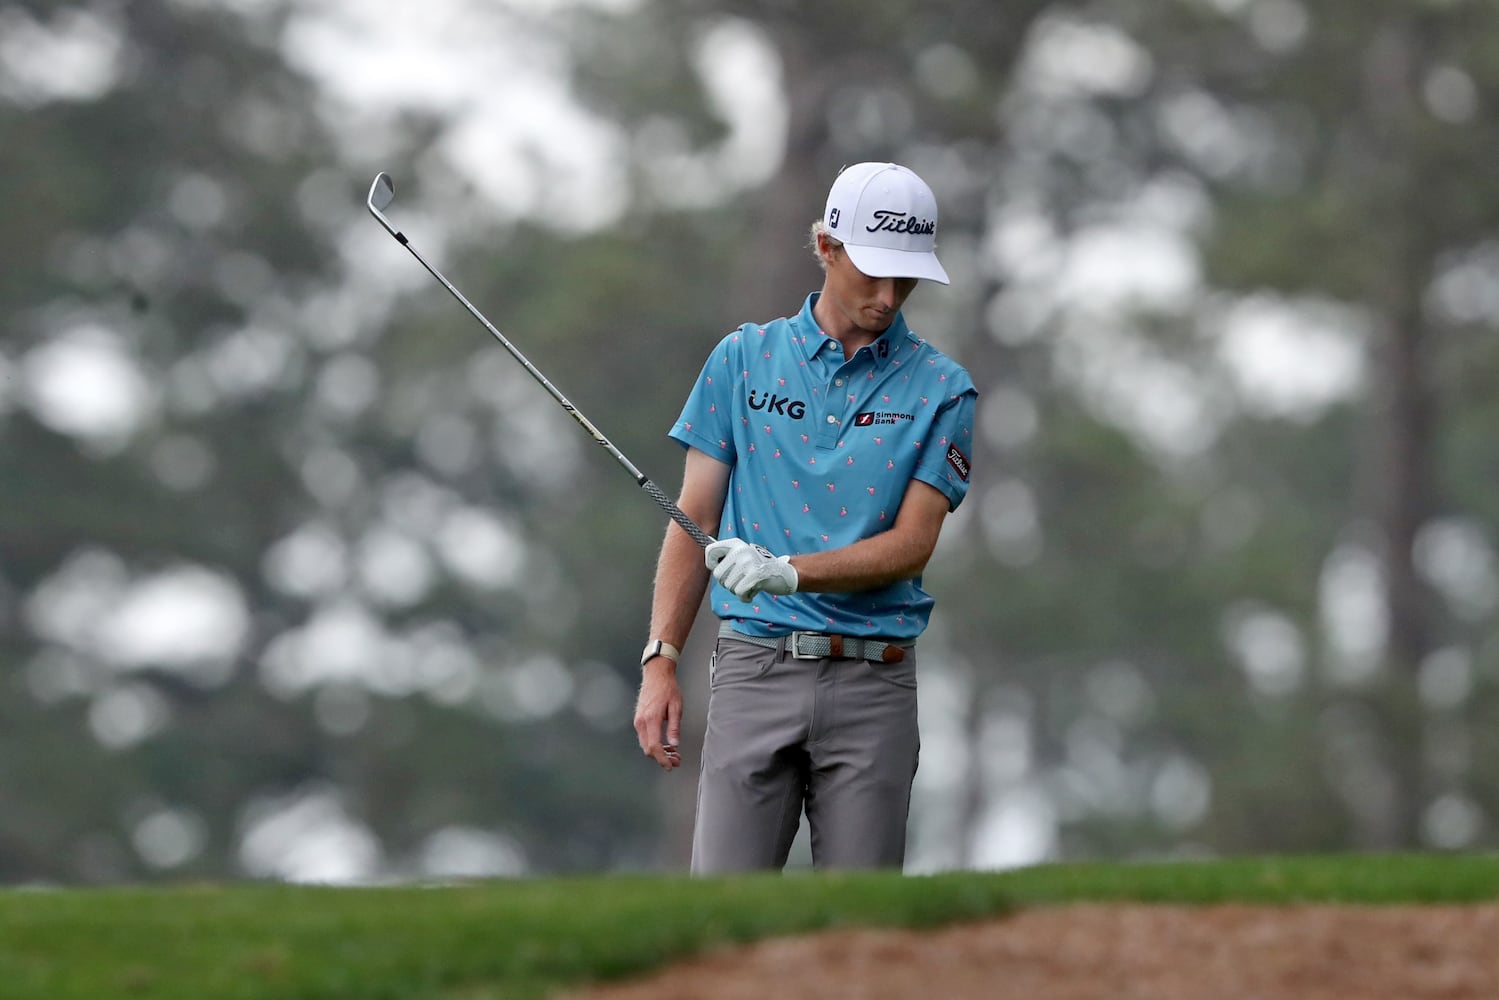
{"type": "Point", "coordinates": [823, 448]}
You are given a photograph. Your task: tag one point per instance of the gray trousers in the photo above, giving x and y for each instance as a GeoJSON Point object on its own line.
{"type": "Point", "coordinates": [837, 738]}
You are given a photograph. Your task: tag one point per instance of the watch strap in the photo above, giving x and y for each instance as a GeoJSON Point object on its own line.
{"type": "Point", "coordinates": [659, 647]}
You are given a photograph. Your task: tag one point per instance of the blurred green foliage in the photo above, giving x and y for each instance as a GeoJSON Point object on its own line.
{"type": "Point", "coordinates": [445, 586]}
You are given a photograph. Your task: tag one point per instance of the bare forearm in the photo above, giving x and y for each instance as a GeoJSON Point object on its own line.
{"type": "Point", "coordinates": [865, 565]}
{"type": "Point", "coordinates": [900, 553]}
{"type": "Point", "coordinates": [681, 576]}
{"type": "Point", "coordinates": [681, 581]}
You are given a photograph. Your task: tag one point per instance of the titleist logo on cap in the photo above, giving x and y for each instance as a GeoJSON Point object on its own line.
{"type": "Point", "coordinates": [888, 221]}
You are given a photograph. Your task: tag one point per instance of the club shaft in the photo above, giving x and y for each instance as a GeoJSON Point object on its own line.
{"type": "Point", "coordinates": [662, 500]}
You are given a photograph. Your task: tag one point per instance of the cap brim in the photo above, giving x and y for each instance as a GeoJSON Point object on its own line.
{"type": "Point", "coordinates": [882, 262]}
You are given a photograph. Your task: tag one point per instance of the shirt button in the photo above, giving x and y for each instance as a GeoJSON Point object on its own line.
{"type": "Point", "coordinates": [838, 382]}
{"type": "Point", "coordinates": [832, 419]}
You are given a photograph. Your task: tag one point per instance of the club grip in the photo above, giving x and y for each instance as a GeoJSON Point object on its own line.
{"type": "Point", "coordinates": [676, 513]}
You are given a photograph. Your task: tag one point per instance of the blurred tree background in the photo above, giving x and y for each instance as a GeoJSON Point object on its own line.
{"type": "Point", "coordinates": [302, 577]}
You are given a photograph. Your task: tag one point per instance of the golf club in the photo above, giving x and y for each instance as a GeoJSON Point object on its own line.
{"type": "Point", "coordinates": [382, 192]}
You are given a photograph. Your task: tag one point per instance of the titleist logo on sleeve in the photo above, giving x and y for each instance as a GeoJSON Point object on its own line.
{"type": "Point", "coordinates": [959, 462]}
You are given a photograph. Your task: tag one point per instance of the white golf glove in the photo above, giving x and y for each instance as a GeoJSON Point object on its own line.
{"type": "Point", "coordinates": [747, 570]}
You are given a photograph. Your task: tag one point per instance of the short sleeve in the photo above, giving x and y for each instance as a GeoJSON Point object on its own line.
{"type": "Point", "coordinates": [706, 419]}
{"type": "Point", "coordinates": [946, 455]}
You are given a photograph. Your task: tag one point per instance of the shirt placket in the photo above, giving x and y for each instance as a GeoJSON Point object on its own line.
{"type": "Point", "coordinates": [839, 401]}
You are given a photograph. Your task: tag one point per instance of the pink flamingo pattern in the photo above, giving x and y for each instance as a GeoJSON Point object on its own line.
{"type": "Point", "coordinates": [866, 426]}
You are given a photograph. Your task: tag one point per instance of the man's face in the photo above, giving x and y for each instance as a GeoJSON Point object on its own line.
{"type": "Point", "coordinates": [870, 304]}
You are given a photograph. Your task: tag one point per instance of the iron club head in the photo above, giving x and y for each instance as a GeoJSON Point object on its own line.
{"type": "Point", "coordinates": [382, 192]}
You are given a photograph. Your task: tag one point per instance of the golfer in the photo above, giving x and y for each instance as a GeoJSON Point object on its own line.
{"type": "Point", "coordinates": [827, 448]}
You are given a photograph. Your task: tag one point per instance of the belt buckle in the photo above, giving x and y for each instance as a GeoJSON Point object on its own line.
{"type": "Point", "coordinates": [796, 646]}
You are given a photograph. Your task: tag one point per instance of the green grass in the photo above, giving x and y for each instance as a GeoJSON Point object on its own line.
{"type": "Point", "coordinates": [529, 938]}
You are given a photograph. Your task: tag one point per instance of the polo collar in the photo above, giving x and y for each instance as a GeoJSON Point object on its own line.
{"type": "Point", "coordinates": [815, 341]}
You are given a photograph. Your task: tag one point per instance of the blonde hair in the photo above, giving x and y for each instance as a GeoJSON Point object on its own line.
{"type": "Point", "coordinates": [819, 228]}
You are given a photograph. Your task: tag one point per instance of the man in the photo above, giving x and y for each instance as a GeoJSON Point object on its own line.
{"type": "Point", "coordinates": [827, 448]}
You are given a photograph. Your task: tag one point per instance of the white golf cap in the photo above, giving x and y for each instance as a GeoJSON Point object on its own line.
{"type": "Point", "coordinates": [886, 218]}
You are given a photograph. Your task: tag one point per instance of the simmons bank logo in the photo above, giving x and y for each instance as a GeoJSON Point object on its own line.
{"type": "Point", "coordinates": [877, 418]}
